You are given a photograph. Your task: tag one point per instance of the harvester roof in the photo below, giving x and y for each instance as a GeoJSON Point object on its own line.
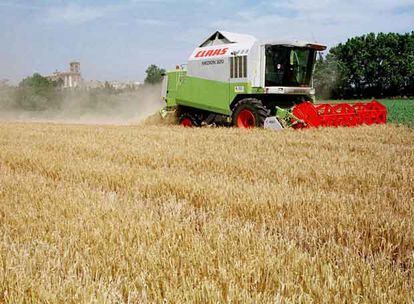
{"type": "Point", "coordinates": [296, 43]}
{"type": "Point", "coordinates": [222, 37]}
{"type": "Point", "coordinates": [228, 38]}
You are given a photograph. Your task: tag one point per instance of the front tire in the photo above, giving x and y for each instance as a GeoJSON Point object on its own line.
{"type": "Point", "coordinates": [249, 113]}
{"type": "Point", "coordinates": [188, 119]}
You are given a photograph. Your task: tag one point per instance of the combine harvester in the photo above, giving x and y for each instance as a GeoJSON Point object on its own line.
{"type": "Point", "coordinates": [233, 79]}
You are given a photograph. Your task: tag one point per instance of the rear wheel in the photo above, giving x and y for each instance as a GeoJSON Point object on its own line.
{"type": "Point", "coordinates": [188, 119]}
{"type": "Point", "coordinates": [249, 113]}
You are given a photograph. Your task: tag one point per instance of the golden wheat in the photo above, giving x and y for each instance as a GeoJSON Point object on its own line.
{"type": "Point", "coordinates": [145, 214]}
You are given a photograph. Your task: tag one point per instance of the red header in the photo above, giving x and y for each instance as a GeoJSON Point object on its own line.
{"type": "Point", "coordinates": [211, 53]}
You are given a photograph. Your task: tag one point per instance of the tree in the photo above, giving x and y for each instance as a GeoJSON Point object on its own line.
{"type": "Point", "coordinates": [376, 65]}
{"type": "Point", "coordinates": [154, 74]}
{"type": "Point", "coordinates": [37, 93]}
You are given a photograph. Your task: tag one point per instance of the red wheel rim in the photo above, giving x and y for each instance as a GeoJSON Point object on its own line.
{"type": "Point", "coordinates": [246, 119]}
{"type": "Point", "coordinates": [186, 122]}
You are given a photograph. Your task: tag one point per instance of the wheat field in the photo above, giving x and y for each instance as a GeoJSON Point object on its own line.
{"type": "Point", "coordinates": [152, 214]}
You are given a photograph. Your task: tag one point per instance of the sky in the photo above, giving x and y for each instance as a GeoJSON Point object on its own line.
{"type": "Point", "coordinates": [117, 40]}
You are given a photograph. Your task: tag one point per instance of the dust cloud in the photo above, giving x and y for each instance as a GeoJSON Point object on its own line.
{"type": "Point", "coordinates": [83, 107]}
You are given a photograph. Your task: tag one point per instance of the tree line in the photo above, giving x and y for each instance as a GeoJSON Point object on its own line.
{"type": "Point", "coordinates": [372, 65]}
{"type": "Point", "coordinates": [38, 93]}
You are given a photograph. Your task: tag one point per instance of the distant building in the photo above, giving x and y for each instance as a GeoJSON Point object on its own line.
{"type": "Point", "coordinates": [4, 83]}
{"type": "Point", "coordinates": [73, 79]}
{"type": "Point", "coordinates": [130, 85]}
{"type": "Point", "coordinates": [93, 84]}
{"type": "Point", "coordinates": [70, 79]}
